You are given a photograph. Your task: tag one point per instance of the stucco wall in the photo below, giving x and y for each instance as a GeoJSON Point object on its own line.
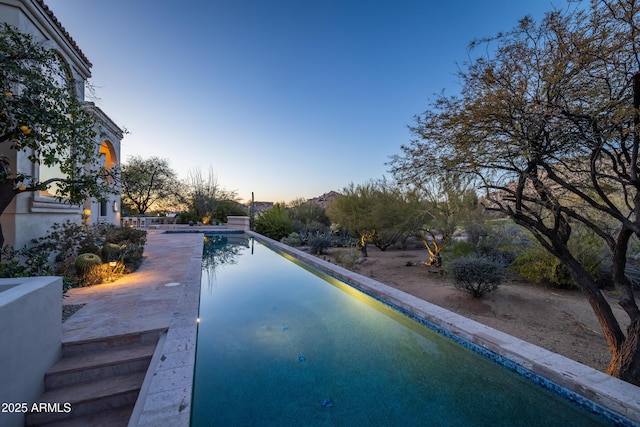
{"type": "Point", "coordinates": [30, 339]}
{"type": "Point", "coordinates": [30, 214]}
{"type": "Point", "coordinates": [238, 222]}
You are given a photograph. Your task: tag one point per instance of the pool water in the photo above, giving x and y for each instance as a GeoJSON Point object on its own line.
{"type": "Point", "coordinates": [281, 345]}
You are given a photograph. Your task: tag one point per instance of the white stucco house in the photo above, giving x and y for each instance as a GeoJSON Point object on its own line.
{"type": "Point", "coordinates": [31, 214]}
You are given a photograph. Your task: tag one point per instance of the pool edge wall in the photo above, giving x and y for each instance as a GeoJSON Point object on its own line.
{"type": "Point", "coordinates": [167, 400]}
{"type": "Point", "coordinates": [592, 389]}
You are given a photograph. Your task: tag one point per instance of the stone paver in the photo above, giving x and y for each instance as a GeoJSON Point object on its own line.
{"type": "Point", "coordinates": [162, 295]}
{"type": "Point", "coordinates": [139, 301]}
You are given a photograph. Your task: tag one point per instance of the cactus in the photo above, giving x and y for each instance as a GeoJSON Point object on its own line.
{"type": "Point", "coordinates": [111, 252]}
{"type": "Point", "coordinates": [86, 262]}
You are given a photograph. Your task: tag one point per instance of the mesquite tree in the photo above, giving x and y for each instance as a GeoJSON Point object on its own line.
{"type": "Point", "coordinates": [442, 202]}
{"type": "Point", "coordinates": [43, 121]}
{"type": "Point", "coordinates": [150, 182]}
{"type": "Point", "coordinates": [377, 211]}
{"type": "Point", "coordinates": [548, 123]}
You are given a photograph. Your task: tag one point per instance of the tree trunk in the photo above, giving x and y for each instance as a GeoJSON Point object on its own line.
{"type": "Point", "coordinates": [625, 361]}
{"type": "Point", "coordinates": [363, 245]}
{"type": "Point", "coordinates": [625, 351]}
{"type": "Point", "coordinates": [435, 260]}
{"type": "Point", "coordinates": [7, 193]}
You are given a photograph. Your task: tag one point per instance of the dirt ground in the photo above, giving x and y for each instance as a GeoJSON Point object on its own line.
{"type": "Point", "coordinates": [561, 321]}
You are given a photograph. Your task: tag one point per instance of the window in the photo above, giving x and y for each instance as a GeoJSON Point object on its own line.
{"type": "Point", "coordinates": [62, 76]}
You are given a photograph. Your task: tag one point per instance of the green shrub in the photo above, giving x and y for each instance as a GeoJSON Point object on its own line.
{"type": "Point", "coordinates": [13, 268]}
{"type": "Point", "coordinates": [292, 239]}
{"type": "Point", "coordinates": [131, 241]}
{"type": "Point", "coordinates": [347, 258]}
{"type": "Point", "coordinates": [308, 216]}
{"type": "Point", "coordinates": [68, 240]}
{"type": "Point", "coordinates": [318, 242]}
{"type": "Point", "coordinates": [274, 223]}
{"type": "Point", "coordinates": [56, 252]}
{"type": "Point", "coordinates": [459, 248]}
{"type": "Point", "coordinates": [342, 239]}
{"type": "Point", "coordinates": [188, 217]}
{"type": "Point", "coordinates": [535, 263]}
{"type": "Point", "coordinates": [476, 275]}
{"type": "Point", "coordinates": [25, 262]}
{"type": "Point", "coordinates": [477, 230]}
{"type": "Point", "coordinates": [225, 208]}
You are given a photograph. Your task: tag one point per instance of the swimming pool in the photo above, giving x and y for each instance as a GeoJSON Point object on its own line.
{"type": "Point", "coordinates": [283, 345]}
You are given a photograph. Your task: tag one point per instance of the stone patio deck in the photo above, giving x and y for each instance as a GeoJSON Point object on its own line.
{"type": "Point", "coordinates": [162, 295]}
{"type": "Point", "coordinates": [139, 301]}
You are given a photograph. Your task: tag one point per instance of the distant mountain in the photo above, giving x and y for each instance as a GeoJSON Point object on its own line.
{"type": "Point", "coordinates": [322, 201]}
{"type": "Point", "coordinates": [325, 199]}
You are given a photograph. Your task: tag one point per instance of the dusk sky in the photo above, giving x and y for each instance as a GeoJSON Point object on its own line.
{"type": "Point", "coordinates": [286, 98]}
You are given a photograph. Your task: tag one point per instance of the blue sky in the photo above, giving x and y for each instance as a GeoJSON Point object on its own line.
{"type": "Point", "coordinates": [284, 98]}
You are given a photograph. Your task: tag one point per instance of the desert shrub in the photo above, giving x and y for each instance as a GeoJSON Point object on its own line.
{"type": "Point", "coordinates": [310, 227]}
{"type": "Point", "coordinates": [25, 262]}
{"type": "Point", "coordinates": [476, 230]}
{"type": "Point", "coordinates": [68, 239]}
{"type": "Point", "coordinates": [342, 239]}
{"type": "Point", "coordinates": [13, 268]}
{"type": "Point", "coordinates": [190, 217]}
{"type": "Point", "coordinates": [476, 275]}
{"type": "Point", "coordinates": [308, 216]}
{"type": "Point", "coordinates": [459, 248]}
{"type": "Point", "coordinates": [501, 241]}
{"type": "Point", "coordinates": [131, 242]}
{"type": "Point", "coordinates": [292, 239]}
{"type": "Point", "coordinates": [274, 222]}
{"type": "Point", "coordinates": [318, 242]}
{"type": "Point", "coordinates": [225, 208]}
{"type": "Point", "coordinates": [536, 264]}
{"type": "Point", "coordinates": [347, 258]}
{"type": "Point", "coordinates": [56, 252]}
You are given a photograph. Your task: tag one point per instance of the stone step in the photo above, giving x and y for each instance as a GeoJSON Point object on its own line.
{"type": "Point", "coordinates": [118, 417]}
{"type": "Point", "coordinates": [70, 348]}
{"type": "Point", "coordinates": [88, 398]}
{"type": "Point", "coordinates": [94, 365]}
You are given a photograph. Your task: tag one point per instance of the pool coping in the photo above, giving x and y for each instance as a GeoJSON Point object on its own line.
{"type": "Point", "coordinates": [168, 400]}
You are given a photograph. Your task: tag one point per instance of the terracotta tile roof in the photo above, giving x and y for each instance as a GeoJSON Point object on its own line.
{"type": "Point", "coordinates": [72, 42]}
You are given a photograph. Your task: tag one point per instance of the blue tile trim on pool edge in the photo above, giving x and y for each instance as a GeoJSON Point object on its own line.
{"type": "Point", "coordinates": [599, 410]}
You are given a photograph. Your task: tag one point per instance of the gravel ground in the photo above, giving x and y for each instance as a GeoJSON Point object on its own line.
{"type": "Point", "coordinates": [69, 309]}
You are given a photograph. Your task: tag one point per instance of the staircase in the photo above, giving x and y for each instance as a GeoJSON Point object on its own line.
{"type": "Point", "coordinates": [96, 383]}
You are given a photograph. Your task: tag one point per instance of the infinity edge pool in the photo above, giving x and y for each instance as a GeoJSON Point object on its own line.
{"type": "Point", "coordinates": [168, 397]}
